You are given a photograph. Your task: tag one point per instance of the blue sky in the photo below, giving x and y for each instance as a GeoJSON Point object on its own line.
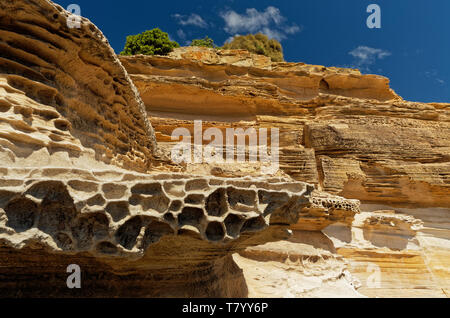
{"type": "Point", "coordinates": [412, 47]}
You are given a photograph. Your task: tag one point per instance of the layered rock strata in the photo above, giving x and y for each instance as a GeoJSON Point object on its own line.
{"type": "Point", "coordinates": [66, 91]}
{"type": "Point", "coordinates": [73, 130]}
{"type": "Point", "coordinates": [77, 146]}
{"type": "Point", "coordinates": [347, 133]}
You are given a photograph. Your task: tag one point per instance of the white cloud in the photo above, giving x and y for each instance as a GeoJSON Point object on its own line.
{"type": "Point", "coordinates": [270, 22]}
{"type": "Point", "coordinates": [252, 21]}
{"type": "Point", "coordinates": [273, 34]}
{"type": "Point", "coordinates": [292, 29]}
{"type": "Point", "coordinates": [366, 56]}
{"type": "Point", "coordinates": [181, 34]}
{"type": "Point", "coordinates": [192, 19]}
{"type": "Point", "coordinates": [433, 74]}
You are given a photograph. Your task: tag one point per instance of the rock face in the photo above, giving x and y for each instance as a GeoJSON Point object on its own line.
{"type": "Point", "coordinates": [144, 232]}
{"type": "Point", "coordinates": [347, 133]}
{"type": "Point", "coordinates": [66, 91]}
{"type": "Point", "coordinates": [85, 179]}
{"type": "Point", "coordinates": [74, 136]}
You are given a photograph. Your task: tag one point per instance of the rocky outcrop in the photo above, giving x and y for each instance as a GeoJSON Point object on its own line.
{"type": "Point", "coordinates": [66, 91]}
{"type": "Point", "coordinates": [393, 254]}
{"type": "Point", "coordinates": [149, 230]}
{"type": "Point", "coordinates": [74, 136]}
{"type": "Point", "coordinates": [347, 133]}
{"type": "Point", "coordinates": [80, 153]}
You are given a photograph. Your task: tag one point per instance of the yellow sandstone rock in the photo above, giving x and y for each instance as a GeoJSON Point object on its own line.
{"type": "Point", "coordinates": [360, 206]}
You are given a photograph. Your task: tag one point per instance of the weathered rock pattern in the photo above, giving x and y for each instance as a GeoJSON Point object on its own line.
{"type": "Point", "coordinates": [324, 210]}
{"type": "Point", "coordinates": [148, 225]}
{"type": "Point", "coordinates": [66, 90]}
{"type": "Point", "coordinates": [347, 133]}
{"type": "Point", "coordinates": [86, 179]}
{"type": "Point", "coordinates": [394, 255]}
{"type": "Point", "coordinates": [74, 136]}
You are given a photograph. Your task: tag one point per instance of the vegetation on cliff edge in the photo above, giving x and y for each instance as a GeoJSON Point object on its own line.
{"type": "Point", "coordinates": [205, 42]}
{"type": "Point", "coordinates": [151, 42]}
{"type": "Point", "coordinates": [259, 44]}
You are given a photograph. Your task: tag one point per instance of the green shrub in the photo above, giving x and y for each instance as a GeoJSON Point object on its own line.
{"type": "Point", "coordinates": [205, 42]}
{"type": "Point", "coordinates": [152, 42]}
{"type": "Point", "coordinates": [259, 44]}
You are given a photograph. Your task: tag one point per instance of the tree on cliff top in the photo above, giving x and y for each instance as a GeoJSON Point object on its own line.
{"type": "Point", "coordinates": [259, 44]}
{"type": "Point", "coordinates": [205, 42]}
{"type": "Point", "coordinates": [152, 42]}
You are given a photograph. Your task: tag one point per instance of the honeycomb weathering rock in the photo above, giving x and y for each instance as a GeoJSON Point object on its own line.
{"type": "Point", "coordinates": [125, 215]}
{"type": "Point", "coordinates": [325, 209]}
{"type": "Point", "coordinates": [148, 229]}
{"type": "Point", "coordinates": [66, 91]}
{"type": "Point", "coordinates": [75, 135]}
{"type": "Point", "coordinates": [71, 120]}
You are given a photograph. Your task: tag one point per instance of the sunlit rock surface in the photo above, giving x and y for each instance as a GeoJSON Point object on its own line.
{"type": "Point", "coordinates": [76, 183]}
{"type": "Point", "coordinates": [347, 133]}
{"type": "Point", "coordinates": [360, 206]}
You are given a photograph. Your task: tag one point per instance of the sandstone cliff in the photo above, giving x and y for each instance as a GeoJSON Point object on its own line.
{"type": "Point", "coordinates": [347, 133]}
{"type": "Point", "coordinates": [66, 91]}
{"type": "Point", "coordinates": [360, 207]}
{"type": "Point", "coordinates": [77, 151]}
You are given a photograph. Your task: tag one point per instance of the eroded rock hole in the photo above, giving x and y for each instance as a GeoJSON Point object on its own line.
{"type": "Point", "coordinates": [233, 224]}
{"type": "Point", "coordinates": [62, 124]}
{"type": "Point", "coordinates": [273, 200]}
{"type": "Point", "coordinates": [324, 86]}
{"type": "Point", "coordinates": [175, 206]}
{"type": "Point", "coordinates": [51, 191]}
{"type": "Point", "coordinates": [96, 200]}
{"type": "Point", "coordinates": [194, 199]}
{"type": "Point", "coordinates": [196, 185]}
{"type": "Point", "coordinates": [88, 226]}
{"type": "Point", "coordinates": [175, 188]}
{"type": "Point", "coordinates": [159, 203]}
{"type": "Point", "coordinates": [214, 231]}
{"type": "Point", "coordinates": [254, 224]}
{"type": "Point", "coordinates": [147, 189]}
{"type": "Point", "coordinates": [114, 191]}
{"type": "Point", "coordinates": [154, 232]}
{"type": "Point", "coordinates": [190, 216]}
{"type": "Point", "coordinates": [83, 186]}
{"type": "Point", "coordinates": [117, 210]}
{"type": "Point", "coordinates": [127, 234]}
{"type": "Point", "coordinates": [239, 196]}
{"type": "Point", "coordinates": [216, 204]}
{"type": "Point", "coordinates": [4, 106]}
{"type": "Point", "coordinates": [169, 217]}
{"type": "Point", "coordinates": [54, 217]}
{"type": "Point", "coordinates": [21, 214]}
